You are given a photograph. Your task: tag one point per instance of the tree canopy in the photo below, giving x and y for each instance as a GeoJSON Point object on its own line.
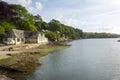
{"type": "Point", "coordinates": [6, 12]}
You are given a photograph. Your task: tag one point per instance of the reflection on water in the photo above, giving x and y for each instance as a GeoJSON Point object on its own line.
{"type": "Point", "coordinates": [90, 59]}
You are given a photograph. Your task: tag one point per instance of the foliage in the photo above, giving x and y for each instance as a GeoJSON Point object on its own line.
{"type": "Point", "coordinates": [25, 25]}
{"type": "Point", "coordinates": [54, 25]}
{"type": "Point", "coordinates": [23, 20]}
{"type": "Point", "coordinates": [44, 26]}
{"type": "Point", "coordinates": [20, 10]}
{"type": "Point", "coordinates": [100, 35]}
{"type": "Point", "coordinates": [38, 22]}
{"type": "Point", "coordinates": [6, 12]}
{"type": "Point", "coordinates": [2, 30]}
{"type": "Point", "coordinates": [52, 36]}
{"type": "Point", "coordinates": [7, 26]}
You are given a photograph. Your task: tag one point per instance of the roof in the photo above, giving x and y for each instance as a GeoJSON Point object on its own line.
{"type": "Point", "coordinates": [34, 34]}
{"type": "Point", "coordinates": [14, 33]}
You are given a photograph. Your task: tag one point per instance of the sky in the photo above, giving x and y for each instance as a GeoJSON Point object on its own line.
{"type": "Point", "coordinates": [88, 15]}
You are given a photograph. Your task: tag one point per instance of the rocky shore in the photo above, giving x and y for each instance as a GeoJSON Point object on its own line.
{"type": "Point", "coordinates": [3, 77]}
{"type": "Point", "coordinates": [23, 58]}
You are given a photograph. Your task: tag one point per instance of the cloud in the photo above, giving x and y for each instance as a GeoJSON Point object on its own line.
{"type": "Point", "coordinates": [35, 9]}
{"type": "Point", "coordinates": [59, 17]}
{"type": "Point", "coordinates": [105, 28]}
{"type": "Point", "coordinates": [28, 4]}
{"type": "Point", "coordinates": [76, 22]}
{"type": "Point", "coordinates": [108, 13]}
{"type": "Point", "coordinates": [116, 3]}
{"type": "Point", "coordinates": [108, 28]}
{"type": "Point", "coordinates": [24, 3]}
{"type": "Point", "coordinates": [38, 5]}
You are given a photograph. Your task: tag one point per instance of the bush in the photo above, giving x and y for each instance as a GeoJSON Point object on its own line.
{"type": "Point", "coordinates": [52, 36]}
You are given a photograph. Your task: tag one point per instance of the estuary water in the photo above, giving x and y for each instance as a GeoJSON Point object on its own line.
{"type": "Point", "coordinates": [87, 59]}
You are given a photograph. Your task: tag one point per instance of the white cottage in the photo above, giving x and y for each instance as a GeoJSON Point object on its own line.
{"type": "Point", "coordinates": [35, 37]}
{"type": "Point", "coordinates": [14, 37]}
{"type": "Point", "coordinates": [19, 36]}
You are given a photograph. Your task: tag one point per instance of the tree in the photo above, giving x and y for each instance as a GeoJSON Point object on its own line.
{"type": "Point", "coordinates": [6, 12]}
{"type": "Point", "coordinates": [100, 35]}
{"type": "Point", "coordinates": [21, 11]}
{"type": "Point", "coordinates": [55, 25]}
{"type": "Point", "coordinates": [38, 22]}
{"type": "Point", "coordinates": [52, 36]}
{"type": "Point", "coordinates": [23, 20]}
{"type": "Point", "coordinates": [7, 26]}
{"type": "Point", "coordinates": [2, 30]}
{"type": "Point", "coordinates": [44, 26]}
{"type": "Point", "coordinates": [25, 25]}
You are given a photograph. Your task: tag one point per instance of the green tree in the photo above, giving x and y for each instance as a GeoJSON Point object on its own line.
{"type": "Point", "coordinates": [2, 30]}
{"type": "Point", "coordinates": [44, 26]}
{"type": "Point", "coordinates": [25, 25]}
{"type": "Point", "coordinates": [52, 36]}
{"type": "Point", "coordinates": [7, 26]}
{"type": "Point", "coordinates": [38, 22]}
{"type": "Point", "coordinates": [6, 12]}
{"type": "Point", "coordinates": [55, 25]}
{"type": "Point", "coordinates": [21, 11]}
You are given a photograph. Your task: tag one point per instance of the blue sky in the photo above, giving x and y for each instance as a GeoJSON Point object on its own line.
{"type": "Point", "coordinates": [88, 15]}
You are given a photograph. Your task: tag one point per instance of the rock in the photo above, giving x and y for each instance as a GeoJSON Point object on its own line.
{"type": "Point", "coordinates": [3, 77]}
{"type": "Point", "coordinates": [9, 54]}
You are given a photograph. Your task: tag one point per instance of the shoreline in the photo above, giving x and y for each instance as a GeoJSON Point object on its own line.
{"type": "Point", "coordinates": [25, 61]}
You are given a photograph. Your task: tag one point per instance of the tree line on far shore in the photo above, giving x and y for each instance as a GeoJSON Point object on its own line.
{"type": "Point", "coordinates": [14, 16]}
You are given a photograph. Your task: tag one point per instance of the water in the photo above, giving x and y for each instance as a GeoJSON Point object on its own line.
{"type": "Point", "coordinates": [89, 59]}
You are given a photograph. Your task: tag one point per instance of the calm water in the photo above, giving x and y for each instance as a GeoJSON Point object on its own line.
{"type": "Point", "coordinates": [90, 59]}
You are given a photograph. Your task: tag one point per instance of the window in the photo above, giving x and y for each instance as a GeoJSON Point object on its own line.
{"type": "Point", "coordinates": [18, 40]}
{"type": "Point", "coordinates": [14, 39]}
{"type": "Point", "coordinates": [22, 40]}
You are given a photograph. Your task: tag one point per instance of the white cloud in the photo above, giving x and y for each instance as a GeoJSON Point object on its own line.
{"type": "Point", "coordinates": [59, 17]}
{"type": "Point", "coordinates": [108, 28]}
{"type": "Point", "coordinates": [105, 28]}
{"type": "Point", "coordinates": [24, 3]}
{"type": "Point", "coordinates": [38, 5]}
{"type": "Point", "coordinates": [71, 22]}
{"type": "Point", "coordinates": [35, 10]}
{"type": "Point", "coordinates": [77, 22]}
{"type": "Point", "coordinates": [28, 4]}
{"type": "Point", "coordinates": [107, 13]}
{"type": "Point", "coordinates": [116, 3]}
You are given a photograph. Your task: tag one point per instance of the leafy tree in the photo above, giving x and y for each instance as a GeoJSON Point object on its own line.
{"type": "Point", "coordinates": [23, 20]}
{"type": "Point", "coordinates": [55, 25]}
{"type": "Point", "coordinates": [7, 26]}
{"type": "Point", "coordinates": [44, 26]}
{"type": "Point", "coordinates": [21, 11]}
{"type": "Point", "coordinates": [52, 36]}
{"type": "Point", "coordinates": [2, 30]}
{"type": "Point", "coordinates": [6, 12]}
{"type": "Point", "coordinates": [25, 25]}
{"type": "Point", "coordinates": [100, 35]}
{"type": "Point", "coordinates": [38, 22]}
